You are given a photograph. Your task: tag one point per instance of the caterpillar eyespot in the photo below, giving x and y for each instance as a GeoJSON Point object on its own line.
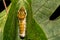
{"type": "Point", "coordinates": [22, 22]}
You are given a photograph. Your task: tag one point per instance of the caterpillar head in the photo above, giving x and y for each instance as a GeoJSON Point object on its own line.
{"type": "Point", "coordinates": [21, 13]}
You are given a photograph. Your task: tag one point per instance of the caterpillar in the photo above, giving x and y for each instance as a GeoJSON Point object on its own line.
{"type": "Point", "coordinates": [22, 22]}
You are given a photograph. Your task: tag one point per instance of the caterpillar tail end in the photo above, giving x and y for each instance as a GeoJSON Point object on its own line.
{"type": "Point", "coordinates": [22, 38]}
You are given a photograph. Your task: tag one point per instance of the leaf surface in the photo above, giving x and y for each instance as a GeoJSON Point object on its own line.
{"type": "Point", "coordinates": [42, 10]}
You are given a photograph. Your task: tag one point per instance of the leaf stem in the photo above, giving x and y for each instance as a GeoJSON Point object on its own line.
{"type": "Point", "coordinates": [5, 6]}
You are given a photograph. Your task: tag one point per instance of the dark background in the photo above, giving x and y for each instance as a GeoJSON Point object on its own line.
{"type": "Point", "coordinates": [2, 5]}
{"type": "Point", "coordinates": [55, 14]}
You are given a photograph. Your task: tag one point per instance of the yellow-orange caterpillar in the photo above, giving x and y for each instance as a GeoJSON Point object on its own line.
{"type": "Point", "coordinates": [22, 21]}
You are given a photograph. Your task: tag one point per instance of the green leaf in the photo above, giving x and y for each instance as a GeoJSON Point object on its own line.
{"type": "Point", "coordinates": [34, 32]}
{"type": "Point", "coordinates": [42, 10]}
{"type": "Point", "coordinates": [3, 18]}
{"type": "Point", "coordinates": [10, 29]}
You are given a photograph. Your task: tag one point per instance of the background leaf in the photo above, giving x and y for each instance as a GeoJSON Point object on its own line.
{"type": "Point", "coordinates": [42, 10]}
